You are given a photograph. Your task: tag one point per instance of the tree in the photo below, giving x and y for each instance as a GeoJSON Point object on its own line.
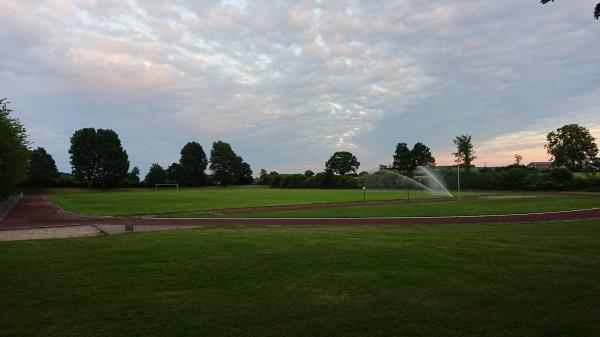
{"type": "Point", "coordinates": [518, 159]}
{"type": "Point", "coordinates": [193, 163]}
{"type": "Point", "coordinates": [83, 155]}
{"type": "Point", "coordinates": [133, 177]}
{"type": "Point", "coordinates": [309, 173]}
{"type": "Point", "coordinates": [243, 172]}
{"type": "Point", "coordinates": [421, 156]}
{"type": "Point", "coordinates": [464, 150]}
{"type": "Point", "coordinates": [13, 150]}
{"type": "Point", "coordinates": [596, 10]}
{"type": "Point", "coordinates": [572, 146]}
{"type": "Point", "coordinates": [112, 160]}
{"type": "Point", "coordinates": [342, 163]}
{"type": "Point", "coordinates": [176, 174]}
{"type": "Point", "coordinates": [156, 175]}
{"type": "Point", "coordinates": [42, 169]}
{"type": "Point", "coordinates": [403, 160]}
{"type": "Point", "coordinates": [98, 157]}
{"type": "Point", "coordinates": [228, 168]}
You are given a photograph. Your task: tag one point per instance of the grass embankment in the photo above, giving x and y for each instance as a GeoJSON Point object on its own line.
{"type": "Point", "coordinates": [447, 280]}
{"type": "Point", "coordinates": [484, 206]}
{"type": "Point", "coordinates": [148, 201]}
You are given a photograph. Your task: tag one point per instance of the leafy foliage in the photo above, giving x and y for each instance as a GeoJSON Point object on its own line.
{"type": "Point", "coordinates": [42, 169]}
{"type": "Point", "coordinates": [421, 155]}
{"type": "Point", "coordinates": [13, 150]}
{"type": "Point", "coordinates": [406, 160]}
{"type": "Point", "coordinates": [403, 158]}
{"type": "Point", "coordinates": [464, 150]}
{"type": "Point", "coordinates": [572, 146]}
{"type": "Point", "coordinates": [112, 160]}
{"type": "Point", "coordinates": [175, 174]}
{"type": "Point", "coordinates": [156, 175]}
{"type": "Point", "coordinates": [133, 177]}
{"type": "Point", "coordinates": [193, 163]}
{"type": "Point", "coordinates": [97, 157]}
{"type": "Point", "coordinates": [596, 10]}
{"type": "Point", "coordinates": [342, 163]}
{"type": "Point", "coordinates": [228, 168]}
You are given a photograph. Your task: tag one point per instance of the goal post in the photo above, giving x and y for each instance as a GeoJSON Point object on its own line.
{"type": "Point", "coordinates": [176, 186]}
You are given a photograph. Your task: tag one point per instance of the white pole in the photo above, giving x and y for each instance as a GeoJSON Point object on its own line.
{"type": "Point", "coordinates": [458, 173]}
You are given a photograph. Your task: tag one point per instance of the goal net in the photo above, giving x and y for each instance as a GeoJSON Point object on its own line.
{"type": "Point", "coordinates": [166, 186]}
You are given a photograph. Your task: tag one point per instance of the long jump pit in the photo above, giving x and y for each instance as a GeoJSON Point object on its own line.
{"type": "Point", "coordinates": [55, 232]}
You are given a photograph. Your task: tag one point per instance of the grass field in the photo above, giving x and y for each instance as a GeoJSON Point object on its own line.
{"type": "Point", "coordinates": [446, 280]}
{"type": "Point", "coordinates": [145, 201]}
{"type": "Point", "coordinates": [491, 205]}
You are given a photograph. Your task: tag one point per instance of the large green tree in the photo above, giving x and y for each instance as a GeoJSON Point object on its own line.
{"type": "Point", "coordinates": [406, 160]}
{"type": "Point", "coordinates": [176, 174]}
{"type": "Point", "coordinates": [13, 150]}
{"type": "Point", "coordinates": [421, 155]}
{"type": "Point", "coordinates": [83, 155]}
{"type": "Point", "coordinates": [464, 150]}
{"type": "Point", "coordinates": [228, 168]}
{"type": "Point", "coordinates": [402, 158]}
{"type": "Point", "coordinates": [596, 10]}
{"type": "Point", "coordinates": [572, 146]}
{"type": "Point", "coordinates": [342, 163]}
{"type": "Point", "coordinates": [113, 161]}
{"type": "Point", "coordinates": [193, 163]}
{"type": "Point", "coordinates": [42, 169]}
{"type": "Point", "coordinates": [156, 175]}
{"type": "Point", "coordinates": [243, 173]}
{"type": "Point", "coordinates": [97, 157]}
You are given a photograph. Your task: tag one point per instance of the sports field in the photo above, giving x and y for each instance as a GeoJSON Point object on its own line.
{"type": "Point", "coordinates": [149, 201]}
{"type": "Point", "coordinates": [483, 205]}
{"type": "Point", "coordinates": [442, 280]}
{"type": "Point", "coordinates": [196, 202]}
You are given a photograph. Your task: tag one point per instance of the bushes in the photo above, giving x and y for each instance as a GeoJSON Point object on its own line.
{"type": "Point", "coordinates": [520, 178]}
{"type": "Point", "coordinates": [319, 180]}
{"type": "Point", "coordinates": [508, 178]}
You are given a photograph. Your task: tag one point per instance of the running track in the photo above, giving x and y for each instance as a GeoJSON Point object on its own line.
{"type": "Point", "coordinates": [36, 211]}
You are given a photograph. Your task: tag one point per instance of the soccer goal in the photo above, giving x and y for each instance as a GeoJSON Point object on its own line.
{"type": "Point", "coordinates": [163, 186]}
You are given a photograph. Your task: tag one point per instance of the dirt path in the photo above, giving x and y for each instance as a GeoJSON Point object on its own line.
{"type": "Point", "coordinates": [36, 211]}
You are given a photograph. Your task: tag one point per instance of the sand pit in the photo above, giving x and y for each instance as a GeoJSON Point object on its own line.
{"type": "Point", "coordinates": [49, 233]}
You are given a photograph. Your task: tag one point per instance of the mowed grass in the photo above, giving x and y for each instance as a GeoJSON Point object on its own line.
{"type": "Point", "coordinates": [446, 280]}
{"type": "Point", "coordinates": [481, 206]}
{"type": "Point", "coordinates": [149, 201]}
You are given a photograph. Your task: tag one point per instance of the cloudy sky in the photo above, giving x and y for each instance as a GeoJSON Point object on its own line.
{"type": "Point", "coordinates": [287, 83]}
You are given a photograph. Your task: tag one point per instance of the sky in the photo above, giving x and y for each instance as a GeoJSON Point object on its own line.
{"type": "Point", "coordinates": [287, 83]}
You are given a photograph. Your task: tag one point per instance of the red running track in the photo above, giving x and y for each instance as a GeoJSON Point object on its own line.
{"type": "Point", "coordinates": [37, 211]}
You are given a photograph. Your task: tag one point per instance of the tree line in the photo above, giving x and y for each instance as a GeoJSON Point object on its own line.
{"type": "Point", "coordinates": [98, 159]}
{"type": "Point", "coordinates": [228, 168]}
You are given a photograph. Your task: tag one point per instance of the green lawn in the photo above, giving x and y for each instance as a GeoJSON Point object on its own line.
{"type": "Point", "coordinates": [148, 201]}
{"type": "Point", "coordinates": [446, 280]}
{"type": "Point", "coordinates": [487, 205]}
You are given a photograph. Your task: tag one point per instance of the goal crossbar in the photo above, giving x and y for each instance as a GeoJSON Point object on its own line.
{"type": "Point", "coordinates": [159, 185]}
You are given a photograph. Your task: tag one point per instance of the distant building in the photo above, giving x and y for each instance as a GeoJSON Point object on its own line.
{"type": "Point", "coordinates": [540, 165]}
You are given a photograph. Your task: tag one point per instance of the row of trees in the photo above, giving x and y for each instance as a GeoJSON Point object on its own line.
{"type": "Point", "coordinates": [13, 151]}
{"type": "Point", "coordinates": [228, 168]}
{"type": "Point", "coordinates": [98, 159]}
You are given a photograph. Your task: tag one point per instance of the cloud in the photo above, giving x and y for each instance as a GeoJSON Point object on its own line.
{"type": "Point", "coordinates": [290, 82]}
